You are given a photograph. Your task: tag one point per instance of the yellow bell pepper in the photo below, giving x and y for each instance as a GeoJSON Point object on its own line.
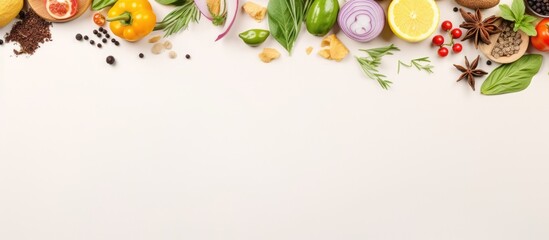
{"type": "Point", "coordinates": [131, 19]}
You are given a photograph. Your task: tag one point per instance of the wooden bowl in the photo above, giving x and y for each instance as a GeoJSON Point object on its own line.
{"type": "Point", "coordinates": [39, 7]}
{"type": "Point", "coordinates": [487, 49]}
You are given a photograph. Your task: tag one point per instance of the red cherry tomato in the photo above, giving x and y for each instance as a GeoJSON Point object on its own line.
{"type": "Point", "coordinates": [446, 25]}
{"type": "Point", "coordinates": [438, 40]}
{"type": "Point", "coordinates": [99, 19]}
{"type": "Point", "coordinates": [457, 48]}
{"type": "Point", "coordinates": [443, 52]}
{"type": "Point", "coordinates": [456, 33]}
{"type": "Point", "coordinates": [541, 41]}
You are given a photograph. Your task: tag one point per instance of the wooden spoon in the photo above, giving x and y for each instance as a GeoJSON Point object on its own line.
{"type": "Point", "coordinates": [487, 49]}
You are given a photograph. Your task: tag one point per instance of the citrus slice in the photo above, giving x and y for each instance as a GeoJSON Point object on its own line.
{"type": "Point", "coordinates": [62, 9]}
{"type": "Point", "coordinates": [413, 20]}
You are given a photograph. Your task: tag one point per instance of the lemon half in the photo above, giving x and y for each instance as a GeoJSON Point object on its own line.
{"type": "Point", "coordinates": [413, 20]}
{"type": "Point", "coordinates": [9, 10]}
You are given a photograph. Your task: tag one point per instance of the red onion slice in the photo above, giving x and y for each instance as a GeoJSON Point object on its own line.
{"type": "Point", "coordinates": [232, 10]}
{"type": "Point", "coordinates": [202, 6]}
{"type": "Point", "coordinates": [361, 20]}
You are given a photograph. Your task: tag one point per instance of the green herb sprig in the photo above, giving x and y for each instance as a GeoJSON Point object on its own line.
{"type": "Point", "coordinates": [516, 13]}
{"type": "Point", "coordinates": [179, 19]}
{"type": "Point", "coordinates": [420, 63]}
{"type": "Point", "coordinates": [370, 63]}
{"type": "Point", "coordinates": [285, 19]}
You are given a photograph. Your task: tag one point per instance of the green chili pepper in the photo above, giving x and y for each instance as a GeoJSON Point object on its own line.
{"type": "Point", "coordinates": [100, 4]}
{"type": "Point", "coordinates": [254, 37]}
{"type": "Point", "coordinates": [321, 16]}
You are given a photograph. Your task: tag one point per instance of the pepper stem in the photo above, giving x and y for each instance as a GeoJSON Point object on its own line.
{"type": "Point", "coordinates": [125, 18]}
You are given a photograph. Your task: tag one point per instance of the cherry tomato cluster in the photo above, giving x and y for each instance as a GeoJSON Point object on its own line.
{"type": "Point", "coordinates": [438, 40]}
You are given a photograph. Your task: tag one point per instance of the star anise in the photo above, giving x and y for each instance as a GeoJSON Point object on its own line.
{"type": "Point", "coordinates": [477, 28]}
{"type": "Point", "coordinates": [470, 71]}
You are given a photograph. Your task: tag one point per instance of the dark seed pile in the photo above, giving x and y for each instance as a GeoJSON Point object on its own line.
{"type": "Point", "coordinates": [539, 6]}
{"type": "Point", "coordinates": [29, 33]}
{"type": "Point", "coordinates": [508, 41]}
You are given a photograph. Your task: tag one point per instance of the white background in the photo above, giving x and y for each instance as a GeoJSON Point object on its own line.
{"type": "Point", "coordinates": [224, 146]}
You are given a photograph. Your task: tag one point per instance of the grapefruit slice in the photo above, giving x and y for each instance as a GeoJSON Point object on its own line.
{"type": "Point", "coordinates": [62, 9]}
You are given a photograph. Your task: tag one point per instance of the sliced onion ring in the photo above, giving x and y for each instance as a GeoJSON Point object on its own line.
{"type": "Point", "coordinates": [232, 10]}
{"type": "Point", "coordinates": [202, 6]}
{"type": "Point", "coordinates": [361, 20]}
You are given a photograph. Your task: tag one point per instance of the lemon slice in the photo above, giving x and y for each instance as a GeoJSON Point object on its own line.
{"type": "Point", "coordinates": [413, 20]}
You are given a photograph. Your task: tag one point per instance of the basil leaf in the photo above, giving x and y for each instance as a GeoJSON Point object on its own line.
{"type": "Point", "coordinates": [171, 2]}
{"type": "Point", "coordinates": [513, 77]}
{"type": "Point", "coordinates": [285, 18]}
{"type": "Point", "coordinates": [506, 13]}
{"type": "Point", "coordinates": [529, 19]}
{"type": "Point", "coordinates": [518, 9]}
{"type": "Point", "coordinates": [529, 29]}
{"type": "Point", "coordinates": [100, 4]}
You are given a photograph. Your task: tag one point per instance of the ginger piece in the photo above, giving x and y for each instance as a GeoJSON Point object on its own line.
{"type": "Point", "coordinates": [255, 10]}
{"type": "Point", "coordinates": [333, 48]}
{"type": "Point", "coordinates": [309, 50]}
{"type": "Point", "coordinates": [268, 55]}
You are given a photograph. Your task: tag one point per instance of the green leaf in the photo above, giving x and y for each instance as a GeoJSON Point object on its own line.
{"type": "Point", "coordinates": [518, 9]}
{"type": "Point", "coordinates": [529, 19]}
{"type": "Point", "coordinates": [513, 77]}
{"type": "Point", "coordinates": [285, 19]}
{"type": "Point", "coordinates": [529, 29]}
{"type": "Point", "coordinates": [506, 12]}
{"type": "Point", "coordinates": [371, 63]}
{"type": "Point", "coordinates": [171, 2]}
{"type": "Point", "coordinates": [100, 4]}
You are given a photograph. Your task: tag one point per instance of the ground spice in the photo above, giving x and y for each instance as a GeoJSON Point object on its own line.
{"type": "Point", "coordinates": [29, 33]}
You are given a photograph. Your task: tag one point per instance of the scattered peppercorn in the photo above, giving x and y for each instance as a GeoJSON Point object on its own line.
{"type": "Point", "coordinates": [107, 35]}
{"type": "Point", "coordinates": [92, 42]}
{"type": "Point", "coordinates": [456, 9]}
{"type": "Point", "coordinates": [488, 62]}
{"type": "Point", "coordinates": [110, 60]}
{"type": "Point", "coordinates": [104, 40]}
{"type": "Point", "coordinates": [1, 42]}
{"type": "Point", "coordinates": [187, 56]}
{"type": "Point", "coordinates": [95, 32]}
{"type": "Point", "coordinates": [99, 45]}
{"type": "Point", "coordinates": [113, 40]}
{"type": "Point", "coordinates": [141, 55]}
{"type": "Point", "coordinates": [101, 29]}
{"type": "Point", "coordinates": [117, 43]}
{"type": "Point", "coordinates": [99, 35]}
{"type": "Point", "coordinates": [79, 37]}
{"type": "Point", "coordinates": [86, 38]}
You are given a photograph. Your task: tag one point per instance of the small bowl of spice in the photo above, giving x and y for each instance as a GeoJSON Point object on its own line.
{"type": "Point", "coordinates": [506, 46]}
{"type": "Point", "coordinates": [539, 8]}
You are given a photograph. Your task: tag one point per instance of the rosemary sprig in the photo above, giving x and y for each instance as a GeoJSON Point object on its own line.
{"type": "Point", "coordinates": [371, 63]}
{"type": "Point", "coordinates": [419, 63]}
{"type": "Point", "coordinates": [179, 19]}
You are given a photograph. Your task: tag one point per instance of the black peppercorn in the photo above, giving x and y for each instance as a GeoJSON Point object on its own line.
{"type": "Point", "coordinates": [94, 31]}
{"type": "Point", "coordinates": [99, 45]}
{"type": "Point", "coordinates": [99, 35]}
{"type": "Point", "coordinates": [456, 9]}
{"type": "Point", "coordinates": [488, 62]}
{"type": "Point", "coordinates": [141, 55]}
{"type": "Point", "coordinates": [110, 60]}
{"type": "Point", "coordinates": [86, 38]}
{"type": "Point", "coordinates": [113, 40]}
{"type": "Point", "coordinates": [107, 35]}
{"type": "Point", "coordinates": [187, 56]}
{"type": "Point", "coordinates": [1, 42]}
{"type": "Point", "coordinates": [79, 37]}
{"type": "Point", "coordinates": [104, 40]}
{"type": "Point", "coordinates": [92, 42]}
{"type": "Point", "coordinates": [101, 29]}
{"type": "Point", "coordinates": [117, 43]}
